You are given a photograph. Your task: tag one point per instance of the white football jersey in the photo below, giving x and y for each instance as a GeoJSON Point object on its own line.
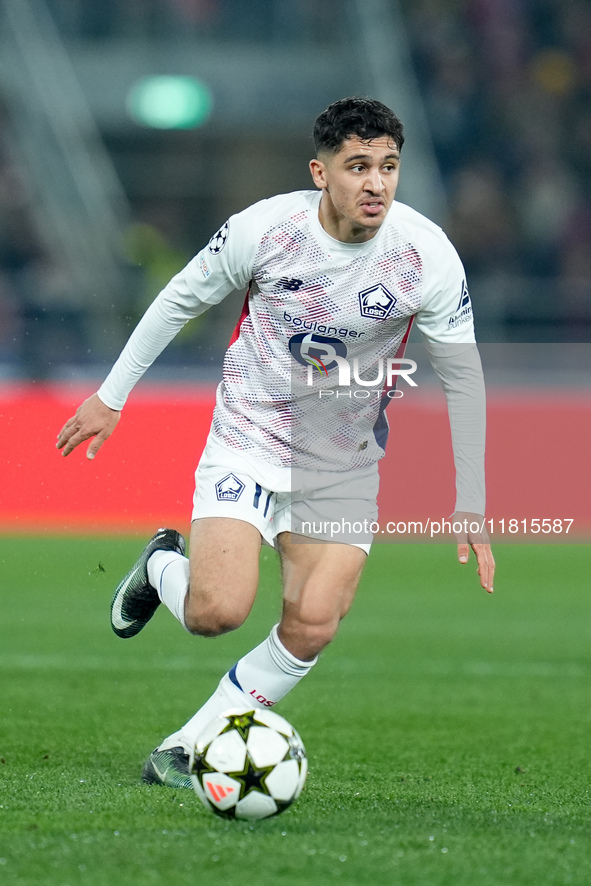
{"type": "Point", "coordinates": [311, 300]}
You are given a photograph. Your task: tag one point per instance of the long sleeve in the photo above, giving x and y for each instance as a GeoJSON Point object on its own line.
{"type": "Point", "coordinates": [459, 369]}
{"type": "Point", "coordinates": [221, 267]}
{"type": "Point", "coordinates": [162, 321]}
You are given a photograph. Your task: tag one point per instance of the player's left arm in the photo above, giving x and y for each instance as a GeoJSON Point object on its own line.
{"type": "Point", "coordinates": [459, 369]}
{"type": "Point", "coordinates": [472, 535]}
{"type": "Point", "coordinates": [446, 324]}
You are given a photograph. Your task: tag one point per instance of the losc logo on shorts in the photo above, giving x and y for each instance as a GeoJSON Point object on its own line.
{"type": "Point", "coordinates": [230, 488]}
{"type": "Point", "coordinates": [376, 302]}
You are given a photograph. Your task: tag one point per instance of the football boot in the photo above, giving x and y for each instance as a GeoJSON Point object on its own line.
{"type": "Point", "coordinates": [169, 768]}
{"type": "Point", "coordinates": [135, 600]}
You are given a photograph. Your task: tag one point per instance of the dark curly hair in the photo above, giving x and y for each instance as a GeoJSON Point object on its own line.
{"type": "Point", "coordinates": [366, 118]}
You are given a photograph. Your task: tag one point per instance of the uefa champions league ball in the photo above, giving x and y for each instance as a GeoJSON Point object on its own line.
{"type": "Point", "coordinates": [248, 763]}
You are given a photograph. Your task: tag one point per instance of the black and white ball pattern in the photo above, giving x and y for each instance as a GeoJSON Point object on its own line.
{"type": "Point", "coordinates": [218, 241]}
{"type": "Point", "coordinates": [248, 764]}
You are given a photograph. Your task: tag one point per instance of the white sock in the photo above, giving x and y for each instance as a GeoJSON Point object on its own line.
{"type": "Point", "coordinates": [168, 572]}
{"type": "Point", "coordinates": [225, 697]}
{"type": "Point", "coordinates": [263, 677]}
{"type": "Point", "coordinates": [269, 671]}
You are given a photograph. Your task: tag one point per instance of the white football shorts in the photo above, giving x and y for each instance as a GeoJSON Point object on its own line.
{"type": "Point", "coordinates": [321, 506]}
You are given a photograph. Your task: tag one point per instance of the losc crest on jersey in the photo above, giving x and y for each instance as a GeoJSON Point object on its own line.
{"type": "Point", "coordinates": [218, 241]}
{"type": "Point", "coordinates": [376, 302]}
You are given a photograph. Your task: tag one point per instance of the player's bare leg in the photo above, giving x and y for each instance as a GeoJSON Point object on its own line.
{"type": "Point", "coordinates": [213, 591]}
{"type": "Point", "coordinates": [320, 581]}
{"type": "Point", "coordinates": [210, 594]}
{"type": "Point", "coordinates": [319, 584]}
{"type": "Point", "coordinates": [224, 575]}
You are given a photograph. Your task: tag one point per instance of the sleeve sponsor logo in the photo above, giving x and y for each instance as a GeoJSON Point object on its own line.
{"type": "Point", "coordinates": [219, 239]}
{"type": "Point", "coordinates": [204, 268]}
{"type": "Point", "coordinates": [463, 313]}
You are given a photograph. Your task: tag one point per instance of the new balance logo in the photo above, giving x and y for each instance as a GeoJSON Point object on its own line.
{"type": "Point", "coordinates": [291, 285]}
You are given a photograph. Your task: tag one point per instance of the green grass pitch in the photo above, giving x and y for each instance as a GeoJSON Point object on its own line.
{"type": "Point", "coordinates": [448, 732]}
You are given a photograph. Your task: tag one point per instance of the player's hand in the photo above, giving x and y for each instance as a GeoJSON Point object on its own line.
{"type": "Point", "coordinates": [92, 420]}
{"type": "Point", "coordinates": [475, 536]}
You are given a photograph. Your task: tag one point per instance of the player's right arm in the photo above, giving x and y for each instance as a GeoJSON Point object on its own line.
{"type": "Point", "coordinates": [220, 268]}
{"type": "Point", "coordinates": [92, 420]}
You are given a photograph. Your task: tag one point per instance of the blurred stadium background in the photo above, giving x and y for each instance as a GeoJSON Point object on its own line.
{"type": "Point", "coordinates": [131, 129]}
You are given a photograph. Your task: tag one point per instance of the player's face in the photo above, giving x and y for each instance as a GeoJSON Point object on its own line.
{"type": "Point", "coordinates": [358, 184]}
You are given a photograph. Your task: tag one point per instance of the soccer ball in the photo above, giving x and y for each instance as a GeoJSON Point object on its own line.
{"type": "Point", "coordinates": [248, 763]}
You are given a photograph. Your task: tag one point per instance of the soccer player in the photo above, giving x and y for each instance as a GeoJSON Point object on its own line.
{"type": "Point", "coordinates": [334, 274]}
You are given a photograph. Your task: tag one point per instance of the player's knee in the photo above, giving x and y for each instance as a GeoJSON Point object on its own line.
{"type": "Point", "coordinates": [212, 621]}
{"type": "Point", "coordinates": [307, 639]}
